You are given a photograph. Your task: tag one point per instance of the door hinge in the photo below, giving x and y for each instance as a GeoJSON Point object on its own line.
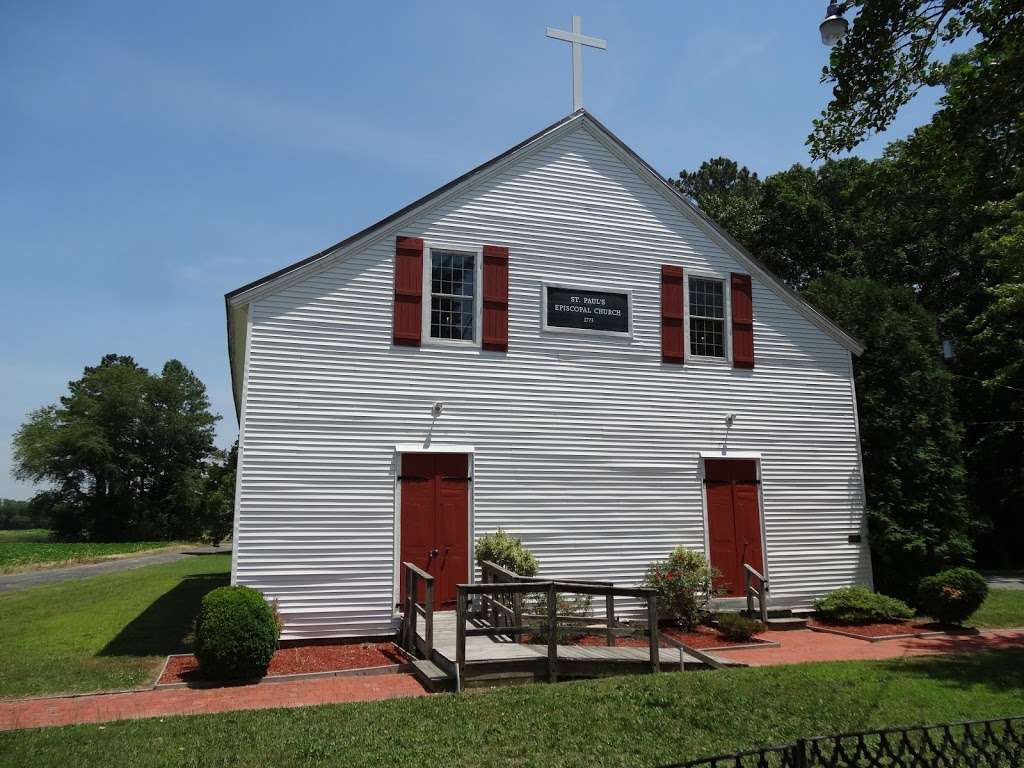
{"type": "Point", "coordinates": [412, 477]}
{"type": "Point", "coordinates": [467, 479]}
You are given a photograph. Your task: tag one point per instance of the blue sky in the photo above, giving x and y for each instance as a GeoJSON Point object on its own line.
{"type": "Point", "coordinates": [155, 156]}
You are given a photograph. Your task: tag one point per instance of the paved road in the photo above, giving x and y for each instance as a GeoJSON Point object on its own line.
{"type": "Point", "coordinates": [1006, 580]}
{"type": "Point", "coordinates": [12, 581]}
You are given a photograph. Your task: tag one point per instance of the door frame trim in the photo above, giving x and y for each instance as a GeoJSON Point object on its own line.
{"type": "Point", "coordinates": [702, 474]}
{"type": "Point", "coordinates": [396, 468]}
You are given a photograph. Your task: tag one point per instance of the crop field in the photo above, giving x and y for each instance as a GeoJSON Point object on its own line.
{"type": "Point", "coordinates": [21, 550]}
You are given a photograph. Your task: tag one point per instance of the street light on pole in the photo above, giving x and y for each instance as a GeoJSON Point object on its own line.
{"type": "Point", "coordinates": [834, 27]}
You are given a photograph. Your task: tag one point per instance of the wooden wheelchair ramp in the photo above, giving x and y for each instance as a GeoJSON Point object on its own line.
{"type": "Point", "coordinates": [483, 645]}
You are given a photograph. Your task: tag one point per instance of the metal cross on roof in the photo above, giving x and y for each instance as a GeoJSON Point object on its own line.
{"type": "Point", "coordinates": [578, 40]}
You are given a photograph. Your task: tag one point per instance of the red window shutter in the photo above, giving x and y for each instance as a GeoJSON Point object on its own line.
{"type": "Point", "coordinates": [408, 317]}
{"type": "Point", "coordinates": [742, 322]}
{"type": "Point", "coordinates": [495, 309]}
{"type": "Point", "coordinates": [672, 292]}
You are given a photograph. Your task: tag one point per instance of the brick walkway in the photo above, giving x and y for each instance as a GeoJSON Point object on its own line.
{"type": "Point", "coordinates": [804, 645]}
{"type": "Point", "coordinates": [35, 713]}
{"type": "Point", "coordinates": [797, 646]}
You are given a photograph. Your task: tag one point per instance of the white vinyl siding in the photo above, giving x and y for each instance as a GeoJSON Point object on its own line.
{"type": "Point", "coordinates": [587, 447]}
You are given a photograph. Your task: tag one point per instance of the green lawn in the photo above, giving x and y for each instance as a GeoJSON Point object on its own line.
{"type": "Point", "coordinates": [20, 550]}
{"type": "Point", "coordinates": [109, 631]}
{"type": "Point", "coordinates": [1002, 608]}
{"type": "Point", "coordinates": [632, 721]}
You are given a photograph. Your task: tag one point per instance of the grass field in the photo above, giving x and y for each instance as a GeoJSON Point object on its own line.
{"type": "Point", "coordinates": [104, 632]}
{"type": "Point", "coordinates": [24, 535]}
{"type": "Point", "coordinates": [1003, 608]}
{"type": "Point", "coordinates": [629, 721]}
{"type": "Point", "coordinates": [20, 550]}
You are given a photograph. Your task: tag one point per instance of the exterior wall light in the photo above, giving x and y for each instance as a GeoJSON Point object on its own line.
{"type": "Point", "coordinates": [834, 27]}
{"type": "Point", "coordinates": [436, 408]}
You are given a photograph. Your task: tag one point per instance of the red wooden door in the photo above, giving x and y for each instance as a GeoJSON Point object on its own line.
{"type": "Point", "coordinates": [435, 521]}
{"type": "Point", "coordinates": [734, 520]}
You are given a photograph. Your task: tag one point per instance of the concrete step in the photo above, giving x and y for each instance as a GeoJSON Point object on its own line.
{"type": "Point", "coordinates": [773, 613]}
{"type": "Point", "coordinates": [780, 623]}
{"type": "Point", "coordinates": [778, 619]}
{"type": "Point", "coordinates": [432, 676]}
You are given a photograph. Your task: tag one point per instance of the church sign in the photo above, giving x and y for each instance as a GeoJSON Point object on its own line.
{"type": "Point", "coordinates": [586, 310]}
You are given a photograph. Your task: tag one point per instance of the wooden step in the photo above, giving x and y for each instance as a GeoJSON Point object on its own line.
{"type": "Point", "coordinates": [432, 676]}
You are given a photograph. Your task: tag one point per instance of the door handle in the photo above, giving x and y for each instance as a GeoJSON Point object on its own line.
{"type": "Point", "coordinates": [433, 553]}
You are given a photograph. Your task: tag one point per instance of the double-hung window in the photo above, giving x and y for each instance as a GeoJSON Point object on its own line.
{"type": "Point", "coordinates": [453, 295]}
{"type": "Point", "coordinates": [707, 317]}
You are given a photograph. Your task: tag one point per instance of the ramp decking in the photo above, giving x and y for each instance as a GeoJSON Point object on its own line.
{"type": "Point", "coordinates": [492, 660]}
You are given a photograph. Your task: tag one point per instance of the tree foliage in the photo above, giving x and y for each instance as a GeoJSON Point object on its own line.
{"type": "Point", "coordinates": [727, 193]}
{"type": "Point", "coordinates": [218, 506]}
{"type": "Point", "coordinates": [890, 54]}
{"type": "Point", "coordinates": [16, 514]}
{"type": "Point", "coordinates": [910, 441]}
{"type": "Point", "coordinates": [124, 453]}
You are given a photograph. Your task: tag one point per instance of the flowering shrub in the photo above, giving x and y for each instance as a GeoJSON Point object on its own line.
{"type": "Point", "coordinates": [953, 595]}
{"type": "Point", "coordinates": [684, 584]}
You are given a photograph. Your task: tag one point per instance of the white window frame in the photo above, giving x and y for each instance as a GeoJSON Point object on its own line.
{"type": "Point", "coordinates": [428, 295]}
{"type": "Point", "coordinates": [726, 320]}
{"type": "Point", "coordinates": [545, 328]}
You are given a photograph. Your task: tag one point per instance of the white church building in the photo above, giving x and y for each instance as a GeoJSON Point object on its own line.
{"type": "Point", "coordinates": [558, 344]}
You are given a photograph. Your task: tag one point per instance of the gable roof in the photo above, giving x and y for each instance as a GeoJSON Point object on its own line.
{"type": "Point", "coordinates": [238, 298]}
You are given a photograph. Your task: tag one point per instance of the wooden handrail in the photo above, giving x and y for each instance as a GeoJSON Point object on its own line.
{"type": "Point", "coordinates": [576, 587]}
{"type": "Point", "coordinates": [754, 572]}
{"type": "Point", "coordinates": [418, 571]}
{"type": "Point", "coordinates": [413, 609]}
{"type": "Point", "coordinates": [760, 592]}
{"type": "Point", "coordinates": [499, 581]}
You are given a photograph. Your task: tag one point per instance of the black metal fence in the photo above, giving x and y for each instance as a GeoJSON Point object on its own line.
{"type": "Point", "coordinates": [983, 743]}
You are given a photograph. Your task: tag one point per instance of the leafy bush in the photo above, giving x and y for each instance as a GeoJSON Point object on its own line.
{"type": "Point", "coordinates": [733, 626]}
{"type": "Point", "coordinates": [236, 634]}
{"type": "Point", "coordinates": [507, 551]}
{"type": "Point", "coordinates": [685, 586]}
{"type": "Point", "coordinates": [859, 605]}
{"type": "Point", "coordinates": [953, 595]}
{"type": "Point", "coordinates": [535, 606]}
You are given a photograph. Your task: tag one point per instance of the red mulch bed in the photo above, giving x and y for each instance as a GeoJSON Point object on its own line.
{"type": "Point", "coordinates": [700, 638]}
{"type": "Point", "coordinates": [890, 629]}
{"type": "Point", "coordinates": [298, 659]}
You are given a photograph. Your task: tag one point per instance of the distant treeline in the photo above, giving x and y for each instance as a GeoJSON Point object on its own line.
{"type": "Point", "coordinates": [20, 515]}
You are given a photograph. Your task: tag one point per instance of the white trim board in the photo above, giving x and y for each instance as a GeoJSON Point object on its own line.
{"type": "Point", "coordinates": [727, 454]}
{"type": "Point", "coordinates": [433, 448]}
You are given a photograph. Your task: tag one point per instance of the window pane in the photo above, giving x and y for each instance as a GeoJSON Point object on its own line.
{"type": "Point", "coordinates": [707, 337]}
{"type": "Point", "coordinates": [706, 298]}
{"type": "Point", "coordinates": [452, 281]}
{"type": "Point", "coordinates": [451, 318]}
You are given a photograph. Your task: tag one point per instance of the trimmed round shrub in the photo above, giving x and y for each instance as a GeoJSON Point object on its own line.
{"type": "Point", "coordinates": [859, 605]}
{"type": "Point", "coordinates": [733, 626]}
{"type": "Point", "coordinates": [685, 586]}
{"type": "Point", "coordinates": [506, 551]}
{"type": "Point", "coordinates": [953, 595]}
{"type": "Point", "coordinates": [236, 634]}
